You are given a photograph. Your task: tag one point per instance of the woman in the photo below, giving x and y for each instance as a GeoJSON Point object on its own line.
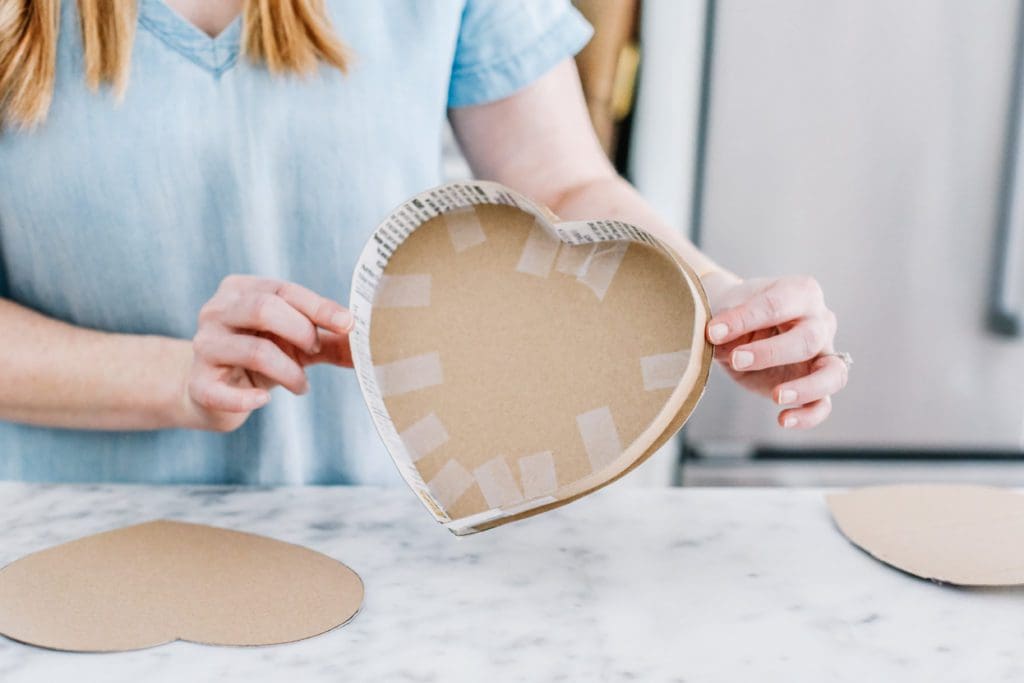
{"type": "Point", "coordinates": [185, 186]}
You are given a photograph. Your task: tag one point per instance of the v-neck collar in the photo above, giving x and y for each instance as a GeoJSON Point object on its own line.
{"type": "Point", "coordinates": [216, 55]}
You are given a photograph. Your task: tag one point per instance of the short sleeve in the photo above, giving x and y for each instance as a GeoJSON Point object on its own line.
{"type": "Point", "coordinates": [503, 46]}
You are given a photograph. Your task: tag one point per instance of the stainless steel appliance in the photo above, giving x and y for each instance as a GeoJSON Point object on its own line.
{"type": "Point", "coordinates": [864, 143]}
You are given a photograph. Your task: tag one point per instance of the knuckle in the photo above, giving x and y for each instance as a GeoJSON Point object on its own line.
{"type": "Point", "coordinates": [201, 393]}
{"type": "Point", "coordinates": [218, 305]}
{"type": "Point", "coordinates": [287, 290]}
{"type": "Point", "coordinates": [774, 302]}
{"type": "Point", "coordinates": [809, 284]}
{"type": "Point", "coordinates": [813, 339]}
{"type": "Point", "coordinates": [208, 312]}
{"type": "Point", "coordinates": [749, 319]}
{"type": "Point", "coordinates": [202, 343]}
{"type": "Point", "coordinates": [831, 321]}
{"type": "Point", "coordinates": [826, 409]}
{"type": "Point", "coordinates": [324, 310]}
{"type": "Point", "coordinates": [818, 294]}
{"type": "Point", "coordinates": [310, 336]}
{"type": "Point", "coordinates": [290, 378]}
{"type": "Point", "coordinates": [844, 376]}
{"type": "Point", "coordinates": [810, 291]}
{"type": "Point", "coordinates": [257, 353]}
{"type": "Point", "coordinates": [807, 344]}
{"type": "Point", "coordinates": [231, 282]}
{"type": "Point", "coordinates": [816, 338]}
{"type": "Point", "coordinates": [235, 402]}
{"type": "Point", "coordinates": [263, 310]}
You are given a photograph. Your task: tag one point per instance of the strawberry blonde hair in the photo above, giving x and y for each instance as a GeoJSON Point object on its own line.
{"type": "Point", "coordinates": [287, 36]}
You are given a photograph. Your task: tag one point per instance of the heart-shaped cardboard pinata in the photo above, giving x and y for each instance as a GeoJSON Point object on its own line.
{"type": "Point", "coordinates": [161, 581]}
{"type": "Point", "coordinates": [952, 533]}
{"type": "Point", "coordinates": [513, 364]}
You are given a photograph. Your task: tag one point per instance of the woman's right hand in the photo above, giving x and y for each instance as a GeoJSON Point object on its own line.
{"type": "Point", "coordinates": [253, 335]}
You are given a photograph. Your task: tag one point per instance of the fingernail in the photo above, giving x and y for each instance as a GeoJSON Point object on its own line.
{"type": "Point", "coordinates": [787, 396]}
{"type": "Point", "coordinates": [342, 320]}
{"type": "Point", "coordinates": [315, 349]}
{"type": "Point", "coordinates": [789, 422]}
{"type": "Point", "coordinates": [262, 400]}
{"type": "Point", "coordinates": [718, 331]}
{"type": "Point", "coordinates": [742, 359]}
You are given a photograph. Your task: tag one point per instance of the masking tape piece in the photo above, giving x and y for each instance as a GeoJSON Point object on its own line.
{"type": "Point", "coordinates": [450, 483]}
{"type": "Point", "coordinates": [402, 291]}
{"type": "Point", "coordinates": [602, 266]}
{"type": "Point", "coordinates": [538, 253]}
{"type": "Point", "coordinates": [573, 258]}
{"type": "Point", "coordinates": [600, 437]}
{"type": "Point", "coordinates": [497, 483]}
{"type": "Point", "coordinates": [537, 472]}
{"type": "Point", "coordinates": [464, 229]}
{"type": "Point", "coordinates": [409, 374]}
{"type": "Point", "coordinates": [664, 370]}
{"type": "Point", "coordinates": [424, 436]}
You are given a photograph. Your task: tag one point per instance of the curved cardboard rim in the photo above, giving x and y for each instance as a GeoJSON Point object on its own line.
{"type": "Point", "coordinates": [673, 414]}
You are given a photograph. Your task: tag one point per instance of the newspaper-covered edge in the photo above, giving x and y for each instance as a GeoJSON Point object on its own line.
{"type": "Point", "coordinates": [373, 261]}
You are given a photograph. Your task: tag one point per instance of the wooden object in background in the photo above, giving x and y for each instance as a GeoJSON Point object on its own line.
{"type": "Point", "coordinates": [608, 64]}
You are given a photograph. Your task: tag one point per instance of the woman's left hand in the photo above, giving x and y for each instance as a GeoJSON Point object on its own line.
{"type": "Point", "coordinates": [773, 337]}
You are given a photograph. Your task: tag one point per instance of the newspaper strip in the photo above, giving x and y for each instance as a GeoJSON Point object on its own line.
{"type": "Point", "coordinates": [366, 280]}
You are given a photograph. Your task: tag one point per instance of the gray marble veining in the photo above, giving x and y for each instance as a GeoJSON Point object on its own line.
{"type": "Point", "coordinates": [628, 584]}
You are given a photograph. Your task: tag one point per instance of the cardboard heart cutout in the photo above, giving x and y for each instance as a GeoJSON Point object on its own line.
{"type": "Point", "coordinates": [512, 363]}
{"type": "Point", "coordinates": [161, 581]}
{"type": "Point", "coordinates": [965, 535]}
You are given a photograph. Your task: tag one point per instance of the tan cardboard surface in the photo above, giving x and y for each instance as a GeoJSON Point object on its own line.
{"type": "Point", "coordinates": [510, 371]}
{"type": "Point", "coordinates": [153, 583]}
{"type": "Point", "coordinates": [960, 534]}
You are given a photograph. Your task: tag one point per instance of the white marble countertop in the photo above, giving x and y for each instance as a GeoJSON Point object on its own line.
{"type": "Point", "coordinates": [628, 584]}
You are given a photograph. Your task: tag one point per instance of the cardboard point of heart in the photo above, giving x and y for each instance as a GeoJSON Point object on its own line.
{"type": "Point", "coordinates": [513, 363]}
{"type": "Point", "coordinates": [965, 535]}
{"type": "Point", "coordinates": [161, 581]}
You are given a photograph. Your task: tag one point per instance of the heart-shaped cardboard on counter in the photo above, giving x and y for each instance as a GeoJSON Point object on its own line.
{"type": "Point", "coordinates": [153, 583]}
{"type": "Point", "coordinates": [513, 363]}
{"type": "Point", "coordinates": [967, 535]}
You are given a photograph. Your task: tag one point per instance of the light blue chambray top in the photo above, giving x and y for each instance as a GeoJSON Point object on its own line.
{"type": "Point", "coordinates": [125, 217]}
